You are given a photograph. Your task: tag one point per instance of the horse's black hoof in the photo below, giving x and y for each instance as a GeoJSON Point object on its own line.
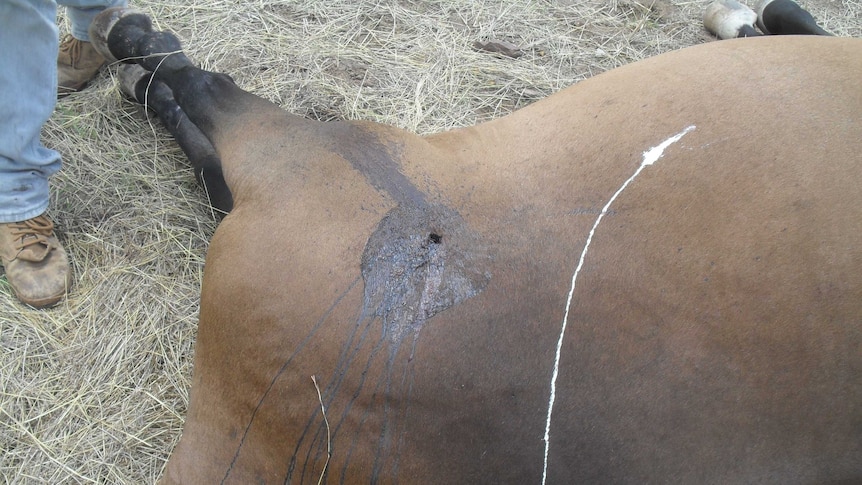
{"type": "Point", "coordinates": [130, 76]}
{"type": "Point", "coordinates": [760, 7]}
{"type": "Point", "coordinates": [786, 17]}
{"type": "Point", "coordinates": [101, 27]}
{"type": "Point", "coordinates": [729, 19]}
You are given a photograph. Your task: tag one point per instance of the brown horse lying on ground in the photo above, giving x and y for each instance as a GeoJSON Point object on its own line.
{"type": "Point", "coordinates": [652, 276]}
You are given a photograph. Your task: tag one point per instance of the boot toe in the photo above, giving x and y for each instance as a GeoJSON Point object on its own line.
{"type": "Point", "coordinates": [41, 284]}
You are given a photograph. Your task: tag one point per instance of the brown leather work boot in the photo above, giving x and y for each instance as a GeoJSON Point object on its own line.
{"type": "Point", "coordinates": [77, 64]}
{"type": "Point", "coordinates": [36, 264]}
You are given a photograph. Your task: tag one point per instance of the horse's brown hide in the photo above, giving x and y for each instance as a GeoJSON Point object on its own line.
{"type": "Point", "coordinates": [715, 329]}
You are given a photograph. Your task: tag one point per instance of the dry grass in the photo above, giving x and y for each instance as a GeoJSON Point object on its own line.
{"type": "Point", "coordinates": [95, 390]}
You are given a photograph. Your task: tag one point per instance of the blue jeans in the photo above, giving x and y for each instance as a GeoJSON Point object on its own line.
{"type": "Point", "coordinates": [29, 46]}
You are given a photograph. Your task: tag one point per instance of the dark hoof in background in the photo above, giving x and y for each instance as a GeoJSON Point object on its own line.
{"type": "Point", "coordinates": [786, 17]}
{"type": "Point", "coordinates": [729, 19]}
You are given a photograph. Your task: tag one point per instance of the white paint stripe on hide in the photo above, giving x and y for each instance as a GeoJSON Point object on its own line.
{"type": "Point", "coordinates": [649, 157]}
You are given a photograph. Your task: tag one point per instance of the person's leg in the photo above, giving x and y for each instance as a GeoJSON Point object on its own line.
{"type": "Point", "coordinates": [36, 265]}
{"type": "Point", "coordinates": [28, 34]}
{"type": "Point", "coordinates": [82, 12]}
{"type": "Point", "coordinates": [78, 62]}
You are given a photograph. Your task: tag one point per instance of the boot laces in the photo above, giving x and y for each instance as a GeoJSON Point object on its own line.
{"type": "Point", "coordinates": [32, 232]}
{"type": "Point", "coordinates": [72, 47]}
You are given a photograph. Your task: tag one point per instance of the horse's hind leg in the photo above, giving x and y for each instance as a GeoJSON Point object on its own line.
{"type": "Point", "coordinates": [138, 83]}
{"type": "Point", "coordinates": [211, 100]}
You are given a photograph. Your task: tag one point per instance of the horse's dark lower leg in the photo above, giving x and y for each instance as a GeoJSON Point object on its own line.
{"type": "Point", "coordinates": [206, 97]}
{"type": "Point", "coordinates": [138, 84]}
